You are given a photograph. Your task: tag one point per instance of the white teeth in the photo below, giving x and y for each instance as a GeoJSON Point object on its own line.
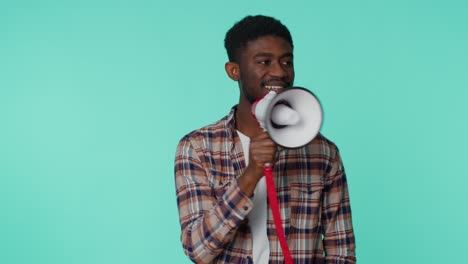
{"type": "Point", "coordinates": [270, 87]}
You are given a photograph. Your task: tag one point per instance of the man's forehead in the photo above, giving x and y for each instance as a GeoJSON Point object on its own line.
{"type": "Point", "coordinates": [268, 45]}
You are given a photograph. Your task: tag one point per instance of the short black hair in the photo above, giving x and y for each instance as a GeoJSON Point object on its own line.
{"type": "Point", "coordinates": [252, 28]}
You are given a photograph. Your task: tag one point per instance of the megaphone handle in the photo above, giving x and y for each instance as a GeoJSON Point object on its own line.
{"type": "Point", "coordinates": [273, 200]}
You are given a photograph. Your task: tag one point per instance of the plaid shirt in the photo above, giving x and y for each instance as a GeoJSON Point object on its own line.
{"type": "Point", "coordinates": [312, 194]}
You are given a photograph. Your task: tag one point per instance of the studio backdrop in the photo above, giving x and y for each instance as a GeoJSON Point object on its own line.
{"type": "Point", "coordinates": [95, 95]}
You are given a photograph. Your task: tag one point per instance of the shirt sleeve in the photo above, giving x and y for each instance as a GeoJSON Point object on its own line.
{"type": "Point", "coordinates": [338, 232]}
{"type": "Point", "coordinates": [207, 223]}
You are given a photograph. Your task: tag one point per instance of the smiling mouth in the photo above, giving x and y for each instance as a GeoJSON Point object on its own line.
{"type": "Point", "coordinates": [273, 87]}
{"type": "Point", "coordinates": [276, 88]}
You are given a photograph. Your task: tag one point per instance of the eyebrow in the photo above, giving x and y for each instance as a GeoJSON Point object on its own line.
{"type": "Point", "coordinates": [266, 54]}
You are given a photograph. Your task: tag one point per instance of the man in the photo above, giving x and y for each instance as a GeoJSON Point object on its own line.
{"type": "Point", "coordinates": [220, 186]}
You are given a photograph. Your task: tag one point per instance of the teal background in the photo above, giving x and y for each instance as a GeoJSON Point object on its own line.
{"type": "Point", "coordinates": [94, 96]}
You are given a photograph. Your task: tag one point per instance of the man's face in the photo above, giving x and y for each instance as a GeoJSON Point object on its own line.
{"type": "Point", "coordinates": [265, 64]}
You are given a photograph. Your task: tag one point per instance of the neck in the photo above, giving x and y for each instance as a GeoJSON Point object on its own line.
{"type": "Point", "coordinates": [245, 121]}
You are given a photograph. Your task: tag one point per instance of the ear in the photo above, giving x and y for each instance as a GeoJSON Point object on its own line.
{"type": "Point", "coordinates": [232, 70]}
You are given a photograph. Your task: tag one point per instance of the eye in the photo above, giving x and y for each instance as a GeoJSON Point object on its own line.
{"type": "Point", "coordinates": [287, 63]}
{"type": "Point", "coordinates": [264, 62]}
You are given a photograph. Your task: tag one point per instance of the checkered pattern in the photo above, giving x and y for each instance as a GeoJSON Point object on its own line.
{"type": "Point", "coordinates": [312, 195]}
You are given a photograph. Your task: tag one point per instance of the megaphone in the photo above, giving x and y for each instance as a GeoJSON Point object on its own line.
{"type": "Point", "coordinates": [292, 118]}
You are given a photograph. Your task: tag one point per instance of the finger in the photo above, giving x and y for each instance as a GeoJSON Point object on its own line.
{"type": "Point", "coordinates": [261, 160]}
{"type": "Point", "coordinates": [263, 145]}
{"type": "Point", "coordinates": [261, 135]}
{"type": "Point", "coordinates": [262, 140]}
{"type": "Point", "coordinates": [262, 148]}
{"type": "Point", "coordinates": [263, 154]}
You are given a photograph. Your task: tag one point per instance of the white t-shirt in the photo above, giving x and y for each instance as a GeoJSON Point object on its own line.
{"type": "Point", "coordinates": [258, 215]}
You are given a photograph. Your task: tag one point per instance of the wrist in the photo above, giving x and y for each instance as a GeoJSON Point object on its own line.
{"type": "Point", "coordinates": [249, 179]}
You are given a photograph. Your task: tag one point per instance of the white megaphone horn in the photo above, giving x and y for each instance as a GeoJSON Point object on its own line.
{"type": "Point", "coordinates": [292, 118]}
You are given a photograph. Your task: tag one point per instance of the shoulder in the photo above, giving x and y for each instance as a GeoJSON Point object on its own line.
{"type": "Point", "coordinates": [216, 129]}
{"type": "Point", "coordinates": [209, 135]}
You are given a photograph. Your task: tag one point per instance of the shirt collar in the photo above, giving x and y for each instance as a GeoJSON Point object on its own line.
{"type": "Point", "coordinates": [231, 119]}
{"type": "Point", "coordinates": [230, 123]}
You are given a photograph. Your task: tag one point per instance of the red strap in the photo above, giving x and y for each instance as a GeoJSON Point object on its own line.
{"type": "Point", "coordinates": [273, 200]}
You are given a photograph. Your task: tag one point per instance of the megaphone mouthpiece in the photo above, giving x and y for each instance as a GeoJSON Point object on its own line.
{"type": "Point", "coordinates": [283, 115]}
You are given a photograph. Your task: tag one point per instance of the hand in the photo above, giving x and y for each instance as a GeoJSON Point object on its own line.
{"type": "Point", "coordinates": [262, 150]}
